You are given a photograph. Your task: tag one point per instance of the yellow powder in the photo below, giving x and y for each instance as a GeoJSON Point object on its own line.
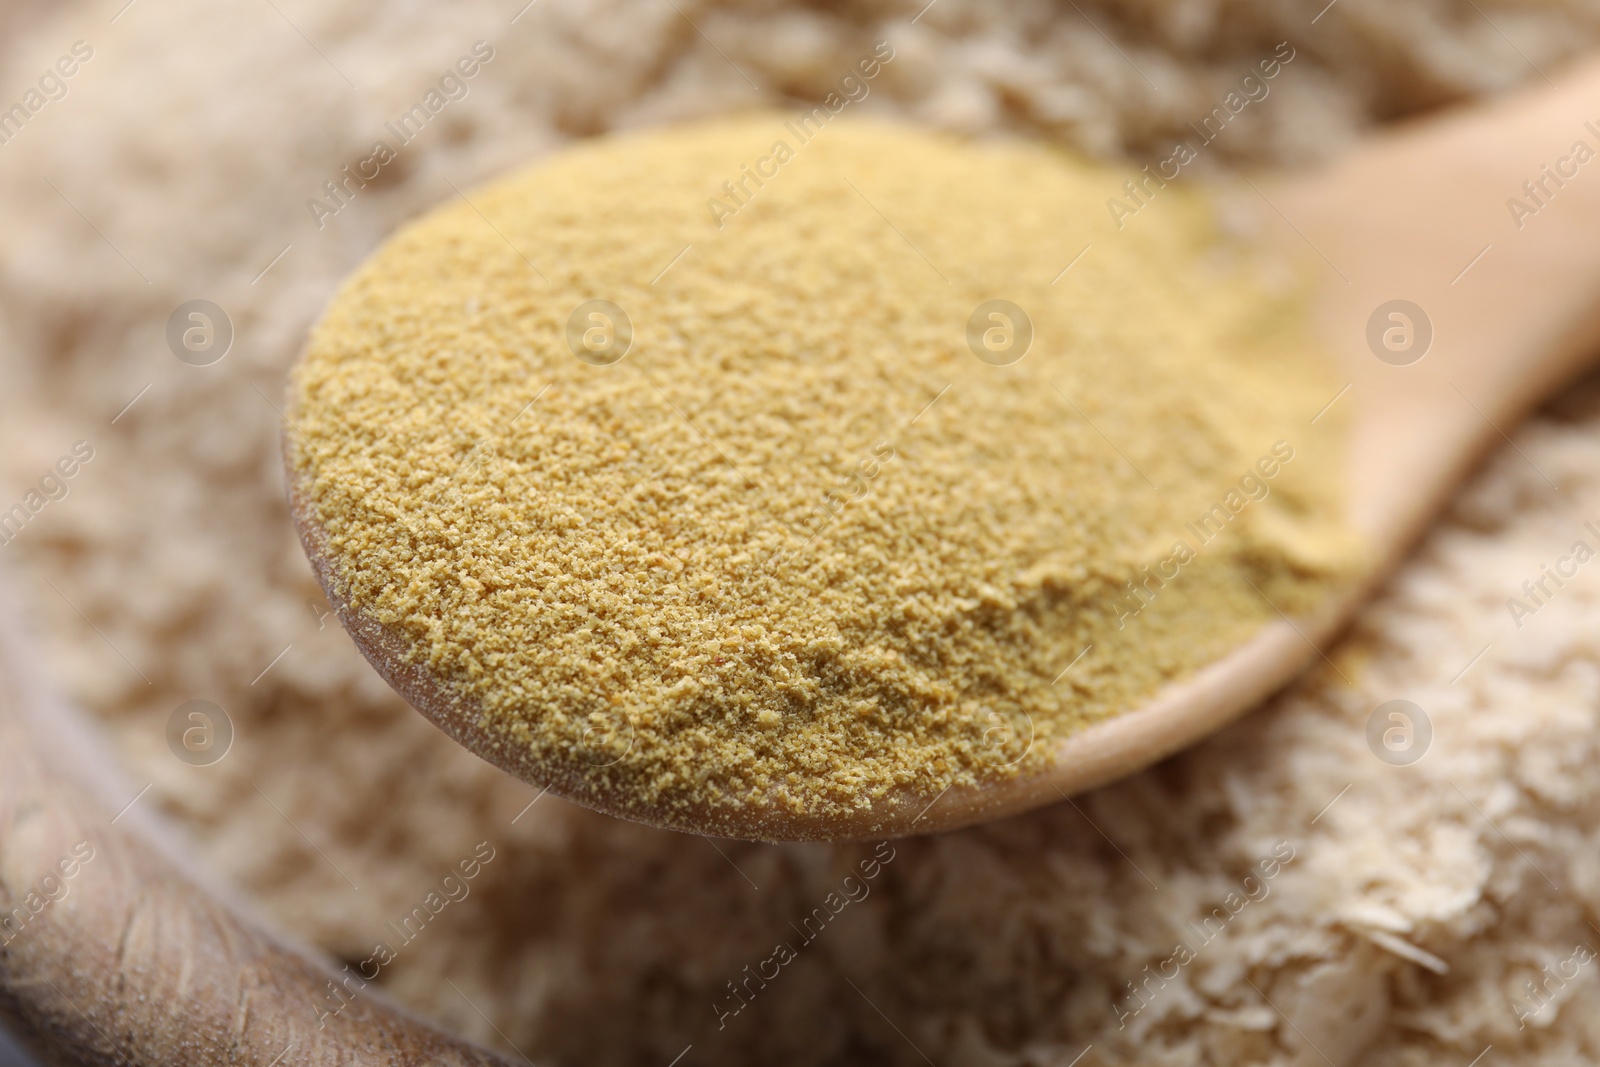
{"type": "Point", "coordinates": [800, 549]}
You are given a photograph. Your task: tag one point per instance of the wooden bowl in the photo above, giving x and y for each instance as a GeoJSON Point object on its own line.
{"type": "Point", "coordinates": [114, 949]}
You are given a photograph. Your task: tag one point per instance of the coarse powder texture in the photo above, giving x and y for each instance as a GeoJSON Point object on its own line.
{"type": "Point", "coordinates": [801, 546]}
{"type": "Point", "coordinates": [192, 140]}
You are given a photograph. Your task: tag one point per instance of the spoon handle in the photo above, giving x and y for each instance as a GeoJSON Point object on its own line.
{"type": "Point", "coordinates": [1462, 284]}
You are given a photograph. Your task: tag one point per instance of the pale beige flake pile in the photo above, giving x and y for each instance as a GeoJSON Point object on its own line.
{"type": "Point", "coordinates": [1416, 902]}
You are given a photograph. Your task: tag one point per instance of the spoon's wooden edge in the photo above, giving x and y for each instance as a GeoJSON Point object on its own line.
{"type": "Point", "coordinates": [1178, 714]}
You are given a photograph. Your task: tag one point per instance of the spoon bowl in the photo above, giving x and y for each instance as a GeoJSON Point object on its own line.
{"type": "Point", "coordinates": [1446, 312]}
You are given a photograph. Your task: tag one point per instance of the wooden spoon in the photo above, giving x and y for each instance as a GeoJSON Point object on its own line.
{"type": "Point", "coordinates": [1448, 314]}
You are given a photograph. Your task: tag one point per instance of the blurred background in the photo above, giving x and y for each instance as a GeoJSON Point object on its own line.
{"type": "Point", "coordinates": [11, 1055]}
